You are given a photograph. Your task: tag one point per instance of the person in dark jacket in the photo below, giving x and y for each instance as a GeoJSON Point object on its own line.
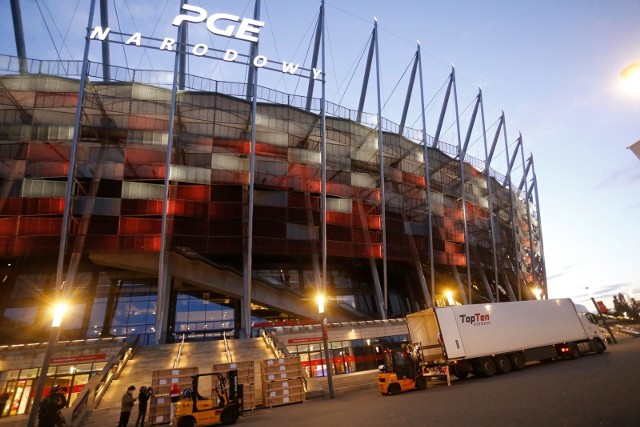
{"type": "Point", "coordinates": [127, 406]}
{"type": "Point", "coordinates": [49, 414]}
{"type": "Point", "coordinates": [4, 398]}
{"type": "Point", "coordinates": [143, 397]}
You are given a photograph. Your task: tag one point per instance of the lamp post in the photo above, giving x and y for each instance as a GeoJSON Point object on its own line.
{"type": "Point", "coordinates": [58, 313]}
{"type": "Point", "coordinates": [325, 344]}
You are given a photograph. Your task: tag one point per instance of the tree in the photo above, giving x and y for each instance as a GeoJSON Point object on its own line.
{"type": "Point", "coordinates": [621, 306]}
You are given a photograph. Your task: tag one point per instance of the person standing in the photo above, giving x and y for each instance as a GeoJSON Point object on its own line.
{"type": "Point", "coordinates": [143, 398]}
{"type": "Point", "coordinates": [174, 394]}
{"type": "Point", "coordinates": [49, 414]}
{"type": "Point", "coordinates": [58, 396]}
{"type": "Point", "coordinates": [4, 398]}
{"type": "Point", "coordinates": [127, 406]}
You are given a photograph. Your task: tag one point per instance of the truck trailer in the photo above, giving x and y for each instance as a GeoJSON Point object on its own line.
{"type": "Point", "coordinates": [489, 339]}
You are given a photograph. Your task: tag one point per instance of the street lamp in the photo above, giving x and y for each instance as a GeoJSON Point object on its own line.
{"type": "Point", "coordinates": [58, 313]}
{"type": "Point", "coordinates": [537, 292]}
{"type": "Point", "coordinates": [631, 75]}
{"type": "Point", "coordinates": [449, 295]}
{"type": "Point", "coordinates": [320, 300]}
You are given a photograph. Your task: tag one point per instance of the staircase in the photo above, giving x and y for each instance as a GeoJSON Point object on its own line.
{"type": "Point", "coordinates": [203, 355]}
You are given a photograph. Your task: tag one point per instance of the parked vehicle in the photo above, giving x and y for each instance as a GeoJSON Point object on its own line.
{"type": "Point", "coordinates": [489, 339]}
{"type": "Point", "coordinates": [223, 406]}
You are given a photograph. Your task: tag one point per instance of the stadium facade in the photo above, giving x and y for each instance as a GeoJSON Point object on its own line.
{"type": "Point", "coordinates": [150, 206]}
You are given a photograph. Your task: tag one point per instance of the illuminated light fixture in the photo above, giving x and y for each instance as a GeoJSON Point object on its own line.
{"type": "Point", "coordinates": [537, 292]}
{"type": "Point", "coordinates": [631, 75]}
{"type": "Point", "coordinates": [58, 312]}
{"type": "Point", "coordinates": [449, 295]}
{"type": "Point", "coordinates": [320, 301]}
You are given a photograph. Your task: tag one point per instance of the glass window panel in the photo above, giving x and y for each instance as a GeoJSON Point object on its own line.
{"type": "Point", "coordinates": [73, 317]}
{"type": "Point", "coordinates": [21, 314]}
{"type": "Point", "coordinates": [83, 367]}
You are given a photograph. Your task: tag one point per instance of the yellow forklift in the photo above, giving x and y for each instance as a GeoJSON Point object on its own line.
{"type": "Point", "coordinates": [224, 406]}
{"type": "Point", "coordinates": [400, 372]}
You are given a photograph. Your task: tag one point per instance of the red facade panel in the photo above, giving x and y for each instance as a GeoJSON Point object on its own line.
{"type": "Point", "coordinates": [413, 179]}
{"type": "Point", "coordinates": [198, 193]}
{"type": "Point", "coordinates": [42, 169]}
{"type": "Point", "coordinates": [135, 226]}
{"type": "Point", "coordinates": [339, 190]}
{"type": "Point", "coordinates": [340, 219]}
{"type": "Point", "coordinates": [130, 207]}
{"type": "Point", "coordinates": [225, 211]}
{"type": "Point", "coordinates": [187, 209]}
{"type": "Point", "coordinates": [11, 206]}
{"type": "Point", "coordinates": [342, 249]}
{"type": "Point", "coordinates": [8, 226]}
{"type": "Point", "coordinates": [102, 244]}
{"type": "Point", "coordinates": [147, 123]}
{"type": "Point", "coordinates": [43, 206]}
{"type": "Point", "coordinates": [56, 100]}
{"type": "Point", "coordinates": [48, 152]}
{"type": "Point", "coordinates": [30, 226]}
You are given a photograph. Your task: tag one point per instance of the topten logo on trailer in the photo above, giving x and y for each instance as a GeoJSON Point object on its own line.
{"type": "Point", "coordinates": [475, 319]}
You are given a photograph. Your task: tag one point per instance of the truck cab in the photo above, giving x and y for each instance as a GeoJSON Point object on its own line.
{"type": "Point", "coordinates": [590, 323]}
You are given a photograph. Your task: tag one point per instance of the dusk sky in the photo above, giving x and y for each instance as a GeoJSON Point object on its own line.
{"type": "Point", "coordinates": [552, 66]}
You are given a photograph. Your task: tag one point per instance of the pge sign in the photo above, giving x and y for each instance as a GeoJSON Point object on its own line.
{"type": "Point", "coordinates": [247, 29]}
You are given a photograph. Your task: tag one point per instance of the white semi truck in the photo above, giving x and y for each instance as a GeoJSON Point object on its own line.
{"type": "Point", "coordinates": [485, 339]}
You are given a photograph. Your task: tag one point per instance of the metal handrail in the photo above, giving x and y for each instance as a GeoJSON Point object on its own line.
{"type": "Point", "coordinates": [72, 68]}
{"type": "Point", "coordinates": [277, 347]}
{"type": "Point", "coordinates": [90, 396]}
{"type": "Point", "coordinates": [226, 347]}
{"type": "Point", "coordinates": [176, 361]}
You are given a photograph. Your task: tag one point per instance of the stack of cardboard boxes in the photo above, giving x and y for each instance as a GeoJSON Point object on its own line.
{"type": "Point", "coordinates": [161, 382]}
{"type": "Point", "coordinates": [282, 381]}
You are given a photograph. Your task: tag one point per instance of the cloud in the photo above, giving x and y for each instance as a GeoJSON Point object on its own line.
{"type": "Point", "coordinates": [607, 292]}
{"type": "Point", "coordinates": [620, 177]}
{"type": "Point", "coordinates": [564, 271]}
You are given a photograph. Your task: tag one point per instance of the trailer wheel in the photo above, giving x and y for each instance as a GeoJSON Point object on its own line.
{"type": "Point", "coordinates": [394, 389]}
{"type": "Point", "coordinates": [421, 383]}
{"type": "Point", "coordinates": [487, 367]}
{"type": "Point", "coordinates": [461, 370]}
{"type": "Point", "coordinates": [503, 364]}
{"type": "Point", "coordinates": [517, 361]}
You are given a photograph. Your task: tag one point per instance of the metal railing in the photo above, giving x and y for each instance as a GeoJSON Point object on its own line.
{"type": "Point", "coordinates": [176, 361]}
{"type": "Point", "coordinates": [90, 396]}
{"type": "Point", "coordinates": [275, 345]}
{"type": "Point", "coordinates": [162, 78]}
{"type": "Point", "coordinates": [226, 347]}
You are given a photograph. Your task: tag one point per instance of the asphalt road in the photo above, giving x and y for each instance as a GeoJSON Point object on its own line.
{"type": "Point", "coordinates": [594, 390]}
